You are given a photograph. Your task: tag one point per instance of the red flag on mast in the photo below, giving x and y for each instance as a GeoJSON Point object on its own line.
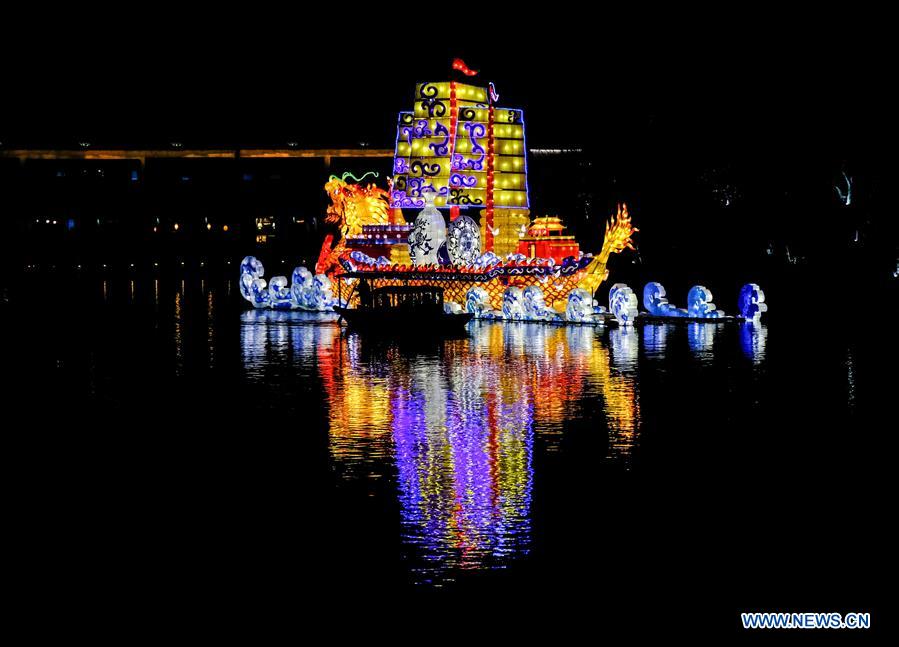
{"type": "Point", "coordinates": [459, 64]}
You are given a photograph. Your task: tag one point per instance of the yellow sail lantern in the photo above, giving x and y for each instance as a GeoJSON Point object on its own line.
{"type": "Point", "coordinates": [457, 143]}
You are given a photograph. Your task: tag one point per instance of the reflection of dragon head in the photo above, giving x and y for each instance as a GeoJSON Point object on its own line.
{"type": "Point", "coordinates": [354, 205]}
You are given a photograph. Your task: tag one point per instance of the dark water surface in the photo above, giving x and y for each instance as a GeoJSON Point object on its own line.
{"type": "Point", "coordinates": [168, 447]}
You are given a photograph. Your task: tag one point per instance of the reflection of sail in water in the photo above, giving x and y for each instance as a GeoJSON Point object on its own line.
{"type": "Point", "coordinates": [464, 464]}
{"type": "Point", "coordinates": [457, 425]}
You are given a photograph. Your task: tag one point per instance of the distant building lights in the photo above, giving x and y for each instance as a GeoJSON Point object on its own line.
{"type": "Point", "coordinates": [555, 151]}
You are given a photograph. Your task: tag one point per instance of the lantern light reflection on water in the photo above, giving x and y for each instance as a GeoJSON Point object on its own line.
{"type": "Point", "coordinates": [456, 430]}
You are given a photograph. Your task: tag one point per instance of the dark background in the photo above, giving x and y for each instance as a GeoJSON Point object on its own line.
{"type": "Point", "coordinates": [725, 134]}
{"type": "Point", "coordinates": [670, 111]}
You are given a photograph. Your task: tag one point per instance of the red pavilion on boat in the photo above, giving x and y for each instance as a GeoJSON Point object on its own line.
{"type": "Point", "coordinates": [544, 239]}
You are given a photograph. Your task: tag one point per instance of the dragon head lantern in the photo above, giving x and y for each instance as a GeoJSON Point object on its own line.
{"type": "Point", "coordinates": [354, 205]}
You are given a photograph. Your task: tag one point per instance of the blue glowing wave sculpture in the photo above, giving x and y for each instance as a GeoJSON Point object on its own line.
{"type": "Point", "coordinates": [699, 303]}
{"type": "Point", "coordinates": [656, 303]}
{"type": "Point", "coordinates": [477, 301]}
{"type": "Point", "coordinates": [304, 291]}
{"type": "Point", "coordinates": [529, 304]}
{"type": "Point", "coordinates": [751, 302]}
{"type": "Point", "coordinates": [535, 308]}
{"type": "Point", "coordinates": [623, 304]}
{"type": "Point", "coordinates": [579, 306]}
{"type": "Point", "coordinates": [513, 304]}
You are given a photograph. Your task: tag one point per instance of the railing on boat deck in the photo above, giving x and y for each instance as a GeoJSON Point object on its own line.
{"type": "Point", "coordinates": [407, 297]}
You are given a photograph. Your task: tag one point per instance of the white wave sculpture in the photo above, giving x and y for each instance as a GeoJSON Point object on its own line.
{"type": "Point", "coordinates": [655, 302]}
{"type": "Point", "coordinates": [477, 301]}
{"type": "Point", "coordinates": [535, 308]}
{"type": "Point", "coordinates": [513, 304]}
{"type": "Point", "coordinates": [623, 304]}
{"type": "Point", "coordinates": [579, 306]}
{"type": "Point", "coordinates": [305, 291]}
{"type": "Point", "coordinates": [699, 303]}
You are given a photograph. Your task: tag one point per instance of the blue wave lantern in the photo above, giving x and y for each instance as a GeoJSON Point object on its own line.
{"type": "Point", "coordinates": [252, 285]}
{"type": "Point", "coordinates": [535, 307]}
{"type": "Point", "coordinates": [304, 291]}
{"type": "Point", "coordinates": [655, 302]}
{"type": "Point", "coordinates": [751, 302]}
{"type": "Point", "coordinates": [579, 306]}
{"type": "Point", "coordinates": [280, 295]}
{"type": "Point", "coordinates": [513, 304]}
{"type": "Point", "coordinates": [477, 301]}
{"type": "Point", "coordinates": [301, 286]}
{"type": "Point", "coordinates": [322, 297]}
{"type": "Point", "coordinates": [699, 304]}
{"type": "Point", "coordinates": [623, 304]}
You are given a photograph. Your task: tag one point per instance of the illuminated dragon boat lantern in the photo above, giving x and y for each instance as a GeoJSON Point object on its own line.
{"type": "Point", "coordinates": [459, 152]}
{"type": "Point", "coordinates": [459, 144]}
{"type": "Point", "coordinates": [484, 283]}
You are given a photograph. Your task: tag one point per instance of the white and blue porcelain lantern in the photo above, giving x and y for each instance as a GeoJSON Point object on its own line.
{"type": "Point", "coordinates": [428, 233]}
{"type": "Point", "coordinates": [464, 241]}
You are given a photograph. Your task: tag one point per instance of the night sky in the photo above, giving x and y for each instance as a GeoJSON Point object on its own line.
{"type": "Point", "coordinates": [755, 84]}
{"type": "Point", "coordinates": [672, 111]}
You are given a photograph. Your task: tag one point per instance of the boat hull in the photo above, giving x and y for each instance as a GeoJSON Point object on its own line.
{"type": "Point", "coordinates": [399, 322]}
